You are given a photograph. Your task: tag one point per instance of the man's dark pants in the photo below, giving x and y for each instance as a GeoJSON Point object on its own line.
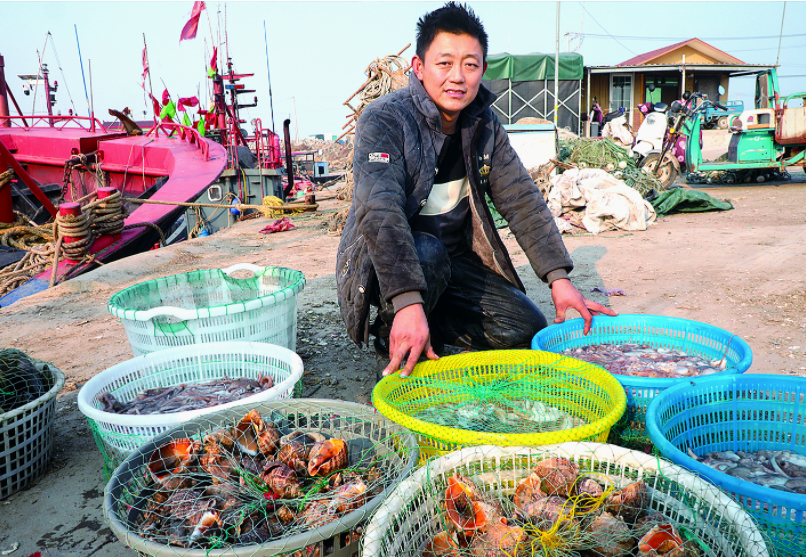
{"type": "Point", "coordinates": [467, 304]}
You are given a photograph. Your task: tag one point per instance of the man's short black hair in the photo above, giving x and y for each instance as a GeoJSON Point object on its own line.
{"type": "Point", "coordinates": [453, 17]}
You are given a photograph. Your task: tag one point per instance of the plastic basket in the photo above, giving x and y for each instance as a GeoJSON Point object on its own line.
{"type": "Point", "coordinates": [696, 338]}
{"type": "Point", "coordinates": [211, 306]}
{"type": "Point", "coordinates": [589, 393]}
{"type": "Point", "coordinates": [746, 413]}
{"type": "Point", "coordinates": [358, 424]}
{"type": "Point", "coordinates": [409, 518]}
{"type": "Point", "coordinates": [117, 435]}
{"type": "Point", "coordinates": [26, 436]}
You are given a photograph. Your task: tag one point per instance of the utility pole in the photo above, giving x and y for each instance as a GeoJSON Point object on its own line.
{"type": "Point", "coordinates": [557, 67]}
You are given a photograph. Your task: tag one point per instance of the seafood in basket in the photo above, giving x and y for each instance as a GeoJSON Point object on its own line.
{"type": "Point", "coordinates": [185, 397]}
{"type": "Point", "coordinates": [555, 510]}
{"type": "Point", "coordinates": [500, 416]}
{"type": "Point", "coordinates": [643, 360]}
{"type": "Point", "coordinates": [781, 470]}
{"type": "Point", "coordinates": [252, 482]}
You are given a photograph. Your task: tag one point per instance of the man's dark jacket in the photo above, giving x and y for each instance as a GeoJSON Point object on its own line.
{"type": "Point", "coordinates": [397, 144]}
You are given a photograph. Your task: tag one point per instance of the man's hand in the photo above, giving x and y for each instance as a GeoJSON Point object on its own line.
{"type": "Point", "coordinates": [409, 335]}
{"type": "Point", "coordinates": [565, 296]}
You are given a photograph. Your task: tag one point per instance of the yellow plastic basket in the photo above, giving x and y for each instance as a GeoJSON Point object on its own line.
{"type": "Point", "coordinates": [583, 390]}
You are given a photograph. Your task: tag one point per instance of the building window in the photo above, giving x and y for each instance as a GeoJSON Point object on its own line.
{"type": "Point", "coordinates": [620, 92]}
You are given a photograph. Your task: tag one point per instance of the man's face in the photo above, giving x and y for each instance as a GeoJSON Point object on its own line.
{"type": "Point", "coordinates": [451, 74]}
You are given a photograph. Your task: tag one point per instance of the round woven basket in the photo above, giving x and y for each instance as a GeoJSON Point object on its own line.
{"type": "Point", "coordinates": [211, 305]}
{"type": "Point", "coordinates": [697, 339]}
{"type": "Point", "coordinates": [748, 413]}
{"type": "Point", "coordinates": [26, 436]}
{"type": "Point", "coordinates": [582, 390]}
{"type": "Point", "coordinates": [369, 435]}
{"type": "Point", "coordinates": [412, 515]}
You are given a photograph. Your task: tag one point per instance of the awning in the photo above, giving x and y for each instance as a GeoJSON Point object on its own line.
{"type": "Point", "coordinates": [533, 67]}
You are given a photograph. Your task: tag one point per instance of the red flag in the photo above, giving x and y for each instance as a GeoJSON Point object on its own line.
{"type": "Point", "coordinates": [214, 59]}
{"type": "Point", "coordinates": [190, 28]}
{"type": "Point", "coordinates": [145, 64]}
{"type": "Point", "coordinates": [165, 97]}
{"type": "Point", "coordinates": [188, 101]}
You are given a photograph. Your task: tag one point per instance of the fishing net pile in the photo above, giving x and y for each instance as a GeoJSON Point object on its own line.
{"type": "Point", "coordinates": [21, 381]}
{"type": "Point", "coordinates": [263, 478]}
{"type": "Point", "coordinates": [604, 154]}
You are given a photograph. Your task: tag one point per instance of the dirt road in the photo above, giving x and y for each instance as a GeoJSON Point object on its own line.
{"type": "Point", "coordinates": [741, 270]}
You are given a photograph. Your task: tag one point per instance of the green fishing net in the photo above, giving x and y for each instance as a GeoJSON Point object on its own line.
{"type": "Point", "coordinates": [607, 155]}
{"type": "Point", "coordinates": [21, 381]}
{"type": "Point", "coordinates": [572, 499]}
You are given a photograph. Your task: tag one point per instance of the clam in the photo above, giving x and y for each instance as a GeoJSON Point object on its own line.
{"type": "Point", "coordinates": [558, 475]}
{"type": "Point", "coordinates": [253, 435]}
{"type": "Point", "coordinates": [442, 545]}
{"type": "Point", "coordinates": [527, 493]}
{"type": "Point", "coordinates": [351, 495]}
{"type": "Point", "coordinates": [629, 502]}
{"type": "Point", "coordinates": [282, 480]}
{"type": "Point", "coordinates": [610, 536]}
{"type": "Point", "coordinates": [169, 464]}
{"type": "Point", "coordinates": [327, 457]}
{"type": "Point", "coordinates": [499, 539]}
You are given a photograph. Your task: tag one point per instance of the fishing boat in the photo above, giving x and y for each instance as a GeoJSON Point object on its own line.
{"type": "Point", "coordinates": [71, 168]}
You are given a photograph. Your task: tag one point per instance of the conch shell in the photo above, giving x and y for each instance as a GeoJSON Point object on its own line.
{"type": "Point", "coordinates": [558, 475]}
{"type": "Point", "coordinates": [443, 545]}
{"type": "Point", "coordinates": [351, 495]}
{"type": "Point", "coordinates": [527, 493]}
{"type": "Point", "coordinates": [499, 539]}
{"type": "Point", "coordinates": [611, 536]}
{"type": "Point", "coordinates": [253, 436]}
{"type": "Point", "coordinates": [663, 540]}
{"type": "Point", "coordinates": [327, 457]}
{"type": "Point", "coordinates": [629, 502]}
{"type": "Point", "coordinates": [282, 480]}
{"type": "Point", "coordinates": [466, 507]}
{"type": "Point", "coordinates": [169, 463]}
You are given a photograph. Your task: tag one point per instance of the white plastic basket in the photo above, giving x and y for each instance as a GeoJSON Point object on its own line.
{"type": "Point", "coordinates": [409, 518]}
{"type": "Point", "coordinates": [117, 435]}
{"type": "Point", "coordinates": [26, 436]}
{"type": "Point", "coordinates": [211, 306]}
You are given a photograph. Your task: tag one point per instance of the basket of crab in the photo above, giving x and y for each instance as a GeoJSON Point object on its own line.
{"type": "Point", "coordinates": [284, 477]}
{"type": "Point", "coordinates": [577, 498]}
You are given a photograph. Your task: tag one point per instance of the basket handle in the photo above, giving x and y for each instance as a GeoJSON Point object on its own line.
{"type": "Point", "coordinates": [242, 267]}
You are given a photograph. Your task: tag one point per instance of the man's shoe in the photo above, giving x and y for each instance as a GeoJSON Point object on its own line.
{"type": "Point", "coordinates": [381, 345]}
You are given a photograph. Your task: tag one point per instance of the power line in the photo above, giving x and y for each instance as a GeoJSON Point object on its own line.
{"type": "Point", "coordinates": [605, 30]}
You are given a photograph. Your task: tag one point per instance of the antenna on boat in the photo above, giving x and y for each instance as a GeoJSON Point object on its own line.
{"type": "Point", "coordinates": [39, 73]}
{"type": "Point", "coordinates": [271, 104]}
{"type": "Point", "coordinates": [150, 88]}
{"type": "Point", "coordinates": [92, 102]}
{"type": "Point", "coordinates": [81, 63]}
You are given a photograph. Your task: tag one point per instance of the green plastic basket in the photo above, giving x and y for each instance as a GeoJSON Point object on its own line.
{"type": "Point", "coordinates": [211, 306]}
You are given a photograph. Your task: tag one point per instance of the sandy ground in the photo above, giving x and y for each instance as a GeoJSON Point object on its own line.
{"type": "Point", "coordinates": [742, 270]}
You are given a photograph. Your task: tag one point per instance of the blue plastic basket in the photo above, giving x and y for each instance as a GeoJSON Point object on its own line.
{"type": "Point", "coordinates": [658, 331]}
{"type": "Point", "coordinates": [739, 413]}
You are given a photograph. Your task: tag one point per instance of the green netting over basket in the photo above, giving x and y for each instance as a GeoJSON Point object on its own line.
{"type": "Point", "coordinates": [504, 397]}
{"type": "Point", "coordinates": [213, 305]}
{"type": "Point", "coordinates": [263, 480]}
{"type": "Point", "coordinates": [639, 499]}
{"type": "Point", "coordinates": [28, 390]}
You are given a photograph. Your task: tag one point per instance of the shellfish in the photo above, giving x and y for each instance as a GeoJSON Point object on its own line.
{"type": "Point", "coordinates": [610, 536]}
{"type": "Point", "coordinates": [527, 494]}
{"type": "Point", "coordinates": [296, 447]}
{"type": "Point", "coordinates": [498, 540]}
{"type": "Point", "coordinates": [282, 480]}
{"type": "Point", "coordinates": [558, 475]}
{"type": "Point", "coordinates": [443, 545]}
{"type": "Point", "coordinates": [629, 502]}
{"type": "Point", "coordinates": [253, 435]}
{"type": "Point", "coordinates": [327, 457]}
{"type": "Point", "coordinates": [169, 464]}
{"type": "Point", "coordinates": [466, 507]}
{"type": "Point", "coordinates": [663, 540]}
{"type": "Point", "coordinates": [351, 495]}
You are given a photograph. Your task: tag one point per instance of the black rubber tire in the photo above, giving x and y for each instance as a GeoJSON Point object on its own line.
{"type": "Point", "coordinates": [667, 173]}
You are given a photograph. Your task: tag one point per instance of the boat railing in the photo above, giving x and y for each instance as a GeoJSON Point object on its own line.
{"type": "Point", "coordinates": [184, 133]}
{"type": "Point", "coordinates": [57, 122]}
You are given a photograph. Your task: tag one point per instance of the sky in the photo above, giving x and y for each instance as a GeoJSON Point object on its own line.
{"type": "Point", "coordinates": [318, 51]}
